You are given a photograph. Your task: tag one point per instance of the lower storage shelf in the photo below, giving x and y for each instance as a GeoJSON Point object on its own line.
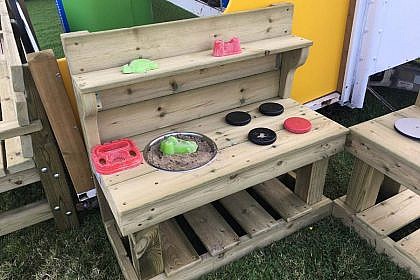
{"type": "Point", "coordinates": [391, 226]}
{"type": "Point", "coordinates": [216, 234]}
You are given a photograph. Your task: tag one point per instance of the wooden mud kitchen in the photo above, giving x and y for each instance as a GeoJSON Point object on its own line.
{"type": "Point", "coordinates": [181, 225]}
{"type": "Point", "coordinates": [387, 163]}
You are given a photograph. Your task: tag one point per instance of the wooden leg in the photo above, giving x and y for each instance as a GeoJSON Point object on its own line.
{"type": "Point", "coordinates": [146, 251]}
{"type": "Point", "coordinates": [48, 161]}
{"type": "Point", "coordinates": [364, 186]}
{"type": "Point", "coordinates": [310, 181]}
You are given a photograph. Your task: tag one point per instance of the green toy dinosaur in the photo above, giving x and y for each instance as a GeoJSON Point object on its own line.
{"type": "Point", "coordinates": [174, 146]}
{"type": "Point", "coordinates": [140, 65]}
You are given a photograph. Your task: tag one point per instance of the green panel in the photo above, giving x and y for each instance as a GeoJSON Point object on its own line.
{"type": "Point", "coordinates": [164, 11]}
{"type": "Point", "coordinates": [95, 15]}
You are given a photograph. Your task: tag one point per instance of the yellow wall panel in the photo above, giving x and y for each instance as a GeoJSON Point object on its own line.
{"type": "Point", "coordinates": [323, 22]}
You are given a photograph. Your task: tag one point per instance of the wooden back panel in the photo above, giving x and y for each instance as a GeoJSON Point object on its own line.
{"type": "Point", "coordinates": [88, 52]}
{"type": "Point", "coordinates": [121, 108]}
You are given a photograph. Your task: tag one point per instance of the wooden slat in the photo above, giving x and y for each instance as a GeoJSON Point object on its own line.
{"type": "Point", "coordinates": [120, 96]}
{"type": "Point", "coordinates": [169, 110]}
{"type": "Point", "coordinates": [44, 69]}
{"type": "Point", "coordinates": [282, 199]}
{"type": "Point", "coordinates": [25, 216]}
{"type": "Point", "coordinates": [250, 215]}
{"type": "Point", "coordinates": [393, 213]}
{"type": "Point", "coordinates": [410, 246]}
{"type": "Point", "coordinates": [12, 129]}
{"type": "Point", "coordinates": [320, 210]}
{"type": "Point", "coordinates": [383, 245]}
{"type": "Point", "coordinates": [146, 252]}
{"type": "Point", "coordinates": [215, 233]}
{"type": "Point", "coordinates": [17, 180]}
{"type": "Point", "coordinates": [173, 38]}
{"type": "Point", "coordinates": [178, 253]}
{"type": "Point", "coordinates": [10, 50]}
{"type": "Point", "coordinates": [178, 65]}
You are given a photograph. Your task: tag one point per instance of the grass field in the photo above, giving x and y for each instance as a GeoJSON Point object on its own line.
{"type": "Point", "coordinates": [326, 250]}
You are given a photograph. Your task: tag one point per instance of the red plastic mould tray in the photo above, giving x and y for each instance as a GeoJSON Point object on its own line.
{"type": "Point", "coordinates": [116, 156]}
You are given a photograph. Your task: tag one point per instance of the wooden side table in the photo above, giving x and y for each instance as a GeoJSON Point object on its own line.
{"type": "Point", "coordinates": [387, 161]}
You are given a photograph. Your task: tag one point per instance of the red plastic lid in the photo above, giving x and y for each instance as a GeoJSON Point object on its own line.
{"type": "Point", "coordinates": [116, 156]}
{"type": "Point", "coordinates": [297, 125]}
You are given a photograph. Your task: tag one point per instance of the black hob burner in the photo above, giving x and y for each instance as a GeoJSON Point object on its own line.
{"type": "Point", "coordinates": [262, 136]}
{"type": "Point", "coordinates": [271, 109]}
{"type": "Point", "coordinates": [238, 118]}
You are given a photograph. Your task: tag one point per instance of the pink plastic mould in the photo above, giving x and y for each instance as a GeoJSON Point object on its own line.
{"type": "Point", "coordinates": [222, 48]}
{"type": "Point", "coordinates": [116, 156]}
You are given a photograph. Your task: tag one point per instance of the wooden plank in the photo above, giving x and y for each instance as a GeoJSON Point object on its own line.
{"type": "Point", "coordinates": [169, 110]}
{"type": "Point", "coordinates": [44, 70]}
{"type": "Point", "coordinates": [47, 155]}
{"type": "Point", "coordinates": [120, 252]}
{"type": "Point", "coordinates": [393, 213]}
{"type": "Point", "coordinates": [11, 51]}
{"type": "Point", "coordinates": [310, 181]}
{"type": "Point", "coordinates": [282, 199]}
{"type": "Point", "coordinates": [16, 161]}
{"type": "Point", "coordinates": [120, 96]}
{"type": "Point", "coordinates": [410, 246]}
{"type": "Point", "coordinates": [383, 245]}
{"type": "Point", "coordinates": [146, 252]}
{"type": "Point", "coordinates": [25, 216]}
{"type": "Point", "coordinates": [364, 186]}
{"type": "Point", "coordinates": [17, 180]}
{"type": "Point", "coordinates": [248, 244]}
{"type": "Point", "coordinates": [178, 253]}
{"type": "Point", "coordinates": [108, 79]}
{"type": "Point", "coordinates": [250, 215]}
{"type": "Point", "coordinates": [12, 129]}
{"type": "Point", "coordinates": [214, 232]}
{"type": "Point", "coordinates": [173, 38]}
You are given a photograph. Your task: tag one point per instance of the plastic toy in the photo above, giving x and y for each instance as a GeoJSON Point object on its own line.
{"type": "Point", "coordinates": [297, 125]}
{"type": "Point", "coordinates": [271, 109]}
{"type": "Point", "coordinates": [175, 146]}
{"type": "Point", "coordinates": [409, 127]}
{"type": "Point", "coordinates": [238, 118]}
{"type": "Point", "coordinates": [231, 47]}
{"type": "Point", "coordinates": [116, 156]}
{"type": "Point", "coordinates": [139, 66]}
{"type": "Point", "coordinates": [262, 136]}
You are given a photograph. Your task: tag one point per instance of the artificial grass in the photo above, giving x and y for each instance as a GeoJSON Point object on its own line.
{"type": "Point", "coordinates": [326, 250]}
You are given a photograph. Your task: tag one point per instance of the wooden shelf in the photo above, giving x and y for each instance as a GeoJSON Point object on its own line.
{"type": "Point", "coordinates": [223, 243]}
{"type": "Point", "coordinates": [111, 78]}
{"type": "Point", "coordinates": [377, 223]}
